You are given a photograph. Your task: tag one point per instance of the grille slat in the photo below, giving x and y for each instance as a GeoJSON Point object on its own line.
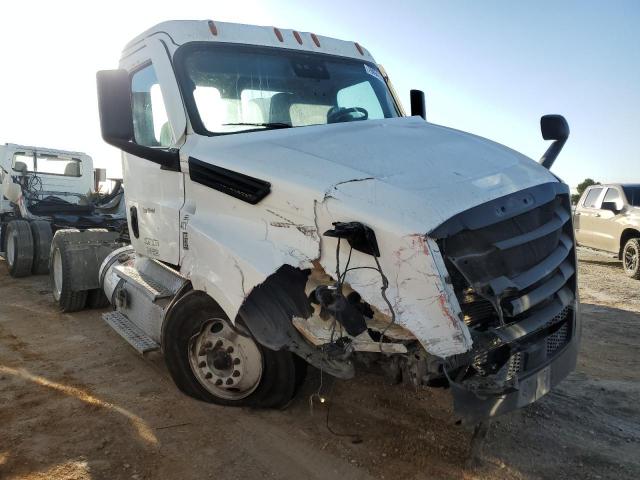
{"type": "Point", "coordinates": [544, 291]}
{"type": "Point", "coordinates": [560, 218]}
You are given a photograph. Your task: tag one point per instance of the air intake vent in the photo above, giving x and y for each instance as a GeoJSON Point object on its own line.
{"type": "Point", "coordinates": [238, 185]}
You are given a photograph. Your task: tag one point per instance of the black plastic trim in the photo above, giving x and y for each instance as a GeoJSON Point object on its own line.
{"type": "Point", "coordinates": [238, 185]}
{"type": "Point", "coordinates": [500, 209]}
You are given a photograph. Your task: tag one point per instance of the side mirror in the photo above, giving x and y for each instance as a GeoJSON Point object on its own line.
{"type": "Point", "coordinates": [611, 206]}
{"type": "Point", "coordinates": [116, 119]}
{"type": "Point", "coordinates": [114, 105]}
{"type": "Point", "coordinates": [418, 104]}
{"type": "Point", "coordinates": [556, 128]}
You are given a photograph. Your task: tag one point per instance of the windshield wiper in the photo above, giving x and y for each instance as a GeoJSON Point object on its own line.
{"type": "Point", "coordinates": [265, 125]}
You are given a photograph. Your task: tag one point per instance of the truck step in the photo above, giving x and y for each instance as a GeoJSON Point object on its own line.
{"type": "Point", "coordinates": [130, 332]}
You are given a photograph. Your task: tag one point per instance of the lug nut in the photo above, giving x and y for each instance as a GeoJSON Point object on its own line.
{"type": "Point", "coordinates": [236, 361]}
{"type": "Point", "coordinates": [208, 345]}
{"type": "Point", "coordinates": [236, 373]}
{"type": "Point", "coordinates": [218, 343]}
{"type": "Point", "coordinates": [230, 350]}
{"type": "Point", "coordinates": [208, 375]}
{"type": "Point", "coordinates": [202, 364]}
{"type": "Point", "coordinates": [229, 381]}
{"type": "Point", "coordinates": [218, 382]}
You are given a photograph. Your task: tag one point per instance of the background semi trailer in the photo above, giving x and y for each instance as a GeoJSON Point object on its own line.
{"type": "Point", "coordinates": [284, 211]}
{"type": "Point", "coordinates": [44, 190]}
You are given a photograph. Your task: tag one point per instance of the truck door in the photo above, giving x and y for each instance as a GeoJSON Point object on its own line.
{"type": "Point", "coordinates": [588, 208]}
{"type": "Point", "coordinates": [605, 229]}
{"type": "Point", "coordinates": [154, 194]}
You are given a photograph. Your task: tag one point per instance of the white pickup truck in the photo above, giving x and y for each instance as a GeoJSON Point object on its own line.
{"type": "Point", "coordinates": [284, 210]}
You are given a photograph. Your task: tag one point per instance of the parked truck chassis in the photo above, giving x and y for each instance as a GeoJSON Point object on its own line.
{"type": "Point", "coordinates": [35, 205]}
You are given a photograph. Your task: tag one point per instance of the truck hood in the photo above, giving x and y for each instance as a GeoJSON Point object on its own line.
{"type": "Point", "coordinates": [404, 171]}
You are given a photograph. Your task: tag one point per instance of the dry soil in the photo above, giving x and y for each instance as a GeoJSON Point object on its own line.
{"type": "Point", "coordinates": [77, 402]}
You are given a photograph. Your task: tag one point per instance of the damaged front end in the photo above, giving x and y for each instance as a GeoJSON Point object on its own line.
{"type": "Point", "coordinates": [512, 264]}
{"type": "Point", "coordinates": [486, 303]}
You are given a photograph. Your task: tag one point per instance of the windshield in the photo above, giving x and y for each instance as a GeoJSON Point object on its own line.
{"type": "Point", "coordinates": [240, 88]}
{"type": "Point", "coordinates": [633, 194]}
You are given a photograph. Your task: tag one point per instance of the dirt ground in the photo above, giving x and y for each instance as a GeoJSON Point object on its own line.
{"type": "Point", "coordinates": [76, 402]}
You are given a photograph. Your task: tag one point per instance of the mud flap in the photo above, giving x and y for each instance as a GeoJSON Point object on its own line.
{"type": "Point", "coordinates": [89, 249]}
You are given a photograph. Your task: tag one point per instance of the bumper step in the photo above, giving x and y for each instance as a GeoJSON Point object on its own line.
{"type": "Point", "coordinates": [130, 332]}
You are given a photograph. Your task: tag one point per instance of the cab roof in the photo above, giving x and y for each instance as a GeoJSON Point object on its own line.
{"type": "Point", "coordinates": [185, 31]}
{"type": "Point", "coordinates": [13, 147]}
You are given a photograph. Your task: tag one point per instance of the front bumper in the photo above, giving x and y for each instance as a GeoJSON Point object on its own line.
{"type": "Point", "coordinates": [530, 385]}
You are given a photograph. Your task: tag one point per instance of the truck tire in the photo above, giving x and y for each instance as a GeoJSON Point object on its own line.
{"type": "Point", "coordinates": [42, 236]}
{"type": "Point", "coordinates": [19, 242]}
{"type": "Point", "coordinates": [97, 299]}
{"type": "Point", "coordinates": [213, 361]}
{"type": "Point", "coordinates": [59, 270]}
{"type": "Point", "coordinates": [631, 258]}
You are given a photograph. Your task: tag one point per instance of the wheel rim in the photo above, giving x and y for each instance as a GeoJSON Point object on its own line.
{"type": "Point", "coordinates": [225, 362]}
{"type": "Point", "coordinates": [631, 258]}
{"type": "Point", "coordinates": [57, 274]}
{"type": "Point", "coordinates": [11, 249]}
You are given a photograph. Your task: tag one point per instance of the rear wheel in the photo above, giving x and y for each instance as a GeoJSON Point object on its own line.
{"type": "Point", "coordinates": [42, 235]}
{"type": "Point", "coordinates": [68, 300]}
{"type": "Point", "coordinates": [19, 244]}
{"type": "Point", "coordinates": [631, 258]}
{"type": "Point", "coordinates": [212, 360]}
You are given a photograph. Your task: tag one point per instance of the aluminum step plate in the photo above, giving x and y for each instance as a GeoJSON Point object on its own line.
{"type": "Point", "coordinates": [130, 332]}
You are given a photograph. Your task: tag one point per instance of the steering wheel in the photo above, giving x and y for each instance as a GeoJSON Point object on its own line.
{"type": "Point", "coordinates": [338, 114]}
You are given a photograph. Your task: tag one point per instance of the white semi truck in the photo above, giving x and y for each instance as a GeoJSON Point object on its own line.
{"type": "Point", "coordinates": [284, 211]}
{"type": "Point", "coordinates": [43, 190]}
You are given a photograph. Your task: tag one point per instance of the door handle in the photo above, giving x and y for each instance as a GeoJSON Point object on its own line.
{"type": "Point", "coordinates": [133, 213]}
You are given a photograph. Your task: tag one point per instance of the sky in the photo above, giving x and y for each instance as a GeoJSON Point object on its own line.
{"type": "Point", "coordinates": [489, 67]}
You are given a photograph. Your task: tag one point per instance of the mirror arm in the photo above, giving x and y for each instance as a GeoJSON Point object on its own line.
{"type": "Point", "coordinates": [552, 153]}
{"type": "Point", "coordinates": [167, 159]}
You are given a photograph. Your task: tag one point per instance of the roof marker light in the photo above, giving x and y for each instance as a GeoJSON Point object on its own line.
{"type": "Point", "coordinates": [314, 37]}
{"type": "Point", "coordinates": [359, 48]}
{"type": "Point", "coordinates": [278, 34]}
{"type": "Point", "coordinates": [213, 28]}
{"type": "Point", "coordinates": [298, 37]}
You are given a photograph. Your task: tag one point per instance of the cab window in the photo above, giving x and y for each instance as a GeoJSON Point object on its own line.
{"type": "Point", "coordinates": [150, 121]}
{"type": "Point", "coordinates": [613, 195]}
{"type": "Point", "coordinates": [49, 164]}
{"type": "Point", "coordinates": [592, 198]}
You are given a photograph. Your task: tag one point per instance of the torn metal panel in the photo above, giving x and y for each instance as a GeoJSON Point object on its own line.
{"type": "Point", "coordinates": [422, 301]}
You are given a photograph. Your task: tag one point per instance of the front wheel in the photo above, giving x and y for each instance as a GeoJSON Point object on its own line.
{"type": "Point", "coordinates": [212, 360]}
{"type": "Point", "coordinates": [631, 258]}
